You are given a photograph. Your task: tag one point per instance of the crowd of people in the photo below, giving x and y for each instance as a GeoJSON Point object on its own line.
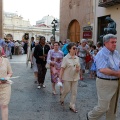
{"type": "Point", "coordinates": [12, 47]}
{"type": "Point", "coordinates": [68, 62]}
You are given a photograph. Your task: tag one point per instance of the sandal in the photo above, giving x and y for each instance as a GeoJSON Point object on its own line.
{"type": "Point", "coordinates": [74, 110]}
{"type": "Point", "coordinates": [62, 103]}
{"type": "Point", "coordinates": [54, 93]}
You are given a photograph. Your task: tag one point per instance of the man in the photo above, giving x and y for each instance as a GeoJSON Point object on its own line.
{"type": "Point", "coordinates": [107, 82]}
{"type": "Point", "coordinates": [40, 53]}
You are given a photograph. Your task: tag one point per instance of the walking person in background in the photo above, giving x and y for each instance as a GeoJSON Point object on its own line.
{"type": "Point", "coordinates": [40, 53]}
{"type": "Point", "coordinates": [69, 73]}
{"type": "Point", "coordinates": [54, 58]}
{"type": "Point", "coordinates": [33, 61]}
{"type": "Point", "coordinates": [82, 51]}
{"type": "Point", "coordinates": [64, 48]}
{"type": "Point", "coordinates": [107, 82]}
{"type": "Point", "coordinates": [5, 88]}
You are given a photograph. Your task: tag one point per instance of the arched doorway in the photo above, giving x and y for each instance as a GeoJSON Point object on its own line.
{"type": "Point", "coordinates": [74, 31]}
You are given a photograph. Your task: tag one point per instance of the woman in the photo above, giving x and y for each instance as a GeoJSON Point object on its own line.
{"type": "Point", "coordinates": [82, 52]}
{"type": "Point", "coordinates": [69, 73]}
{"type": "Point", "coordinates": [5, 88]}
{"type": "Point", "coordinates": [54, 58]}
{"type": "Point", "coordinates": [33, 61]}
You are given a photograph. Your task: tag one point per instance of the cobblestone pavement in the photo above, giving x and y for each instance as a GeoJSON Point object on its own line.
{"type": "Point", "coordinates": [29, 103]}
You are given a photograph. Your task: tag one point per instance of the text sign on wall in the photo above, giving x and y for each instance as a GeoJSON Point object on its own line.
{"type": "Point", "coordinates": [87, 28]}
{"type": "Point", "coordinates": [87, 34]}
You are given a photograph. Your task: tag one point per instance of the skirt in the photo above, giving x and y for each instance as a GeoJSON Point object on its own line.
{"type": "Point", "coordinates": [5, 93]}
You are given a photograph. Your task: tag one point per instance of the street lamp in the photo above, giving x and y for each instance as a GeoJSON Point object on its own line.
{"type": "Point", "coordinates": [54, 25]}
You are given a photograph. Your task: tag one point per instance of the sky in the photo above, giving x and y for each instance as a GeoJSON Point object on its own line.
{"type": "Point", "coordinates": [32, 9]}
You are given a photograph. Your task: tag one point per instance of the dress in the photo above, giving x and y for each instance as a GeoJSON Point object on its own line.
{"type": "Point", "coordinates": [5, 89]}
{"type": "Point", "coordinates": [55, 69]}
{"type": "Point", "coordinates": [93, 66]}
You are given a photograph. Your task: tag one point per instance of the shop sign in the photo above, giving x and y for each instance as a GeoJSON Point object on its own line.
{"type": "Point", "coordinates": [87, 28]}
{"type": "Point", "coordinates": [87, 34]}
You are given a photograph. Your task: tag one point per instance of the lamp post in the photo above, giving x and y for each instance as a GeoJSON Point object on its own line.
{"type": "Point", "coordinates": [54, 25]}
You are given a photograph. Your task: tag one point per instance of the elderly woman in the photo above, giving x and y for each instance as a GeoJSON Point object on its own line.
{"type": "Point", "coordinates": [5, 88]}
{"type": "Point", "coordinates": [82, 51]}
{"type": "Point", "coordinates": [69, 73]}
{"type": "Point", "coordinates": [54, 58]}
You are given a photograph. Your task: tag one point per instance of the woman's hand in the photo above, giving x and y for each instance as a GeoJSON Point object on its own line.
{"type": "Point", "coordinates": [52, 63]}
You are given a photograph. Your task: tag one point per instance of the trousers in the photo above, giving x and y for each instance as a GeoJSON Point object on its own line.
{"type": "Point", "coordinates": [107, 94]}
{"type": "Point", "coordinates": [41, 73]}
{"type": "Point", "coordinates": [70, 86]}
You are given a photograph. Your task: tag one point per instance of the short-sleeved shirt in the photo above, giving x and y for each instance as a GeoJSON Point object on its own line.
{"type": "Point", "coordinates": [107, 59]}
{"type": "Point", "coordinates": [69, 64]}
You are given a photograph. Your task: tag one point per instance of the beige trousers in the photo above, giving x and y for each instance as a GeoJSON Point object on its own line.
{"type": "Point", "coordinates": [107, 91]}
{"type": "Point", "coordinates": [70, 86]}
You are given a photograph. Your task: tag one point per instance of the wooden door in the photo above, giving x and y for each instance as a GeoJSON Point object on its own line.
{"type": "Point", "coordinates": [74, 31]}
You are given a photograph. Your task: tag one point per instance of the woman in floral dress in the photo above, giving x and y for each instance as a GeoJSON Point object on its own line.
{"type": "Point", "coordinates": [54, 58]}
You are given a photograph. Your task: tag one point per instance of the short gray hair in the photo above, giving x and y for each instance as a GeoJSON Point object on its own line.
{"type": "Point", "coordinates": [68, 41]}
{"type": "Point", "coordinates": [107, 37]}
{"type": "Point", "coordinates": [83, 40]}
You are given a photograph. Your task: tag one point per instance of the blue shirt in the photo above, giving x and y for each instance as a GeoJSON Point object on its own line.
{"type": "Point", "coordinates": [64, 49]}
{"type": "Point", "coordinates": [2, 42]}
{"type": "Point", "coordinates": [107, 59]}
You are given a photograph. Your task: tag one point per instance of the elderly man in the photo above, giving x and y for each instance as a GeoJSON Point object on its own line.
{"type": "Point", "coordinates": [107, 82]}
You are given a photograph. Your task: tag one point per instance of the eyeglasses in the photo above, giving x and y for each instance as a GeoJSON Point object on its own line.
{"type": "Point", "coordinates": [74, 48]}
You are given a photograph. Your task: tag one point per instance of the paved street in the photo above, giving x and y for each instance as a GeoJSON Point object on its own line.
{"type": "Point", "coordinates": [29, 103]}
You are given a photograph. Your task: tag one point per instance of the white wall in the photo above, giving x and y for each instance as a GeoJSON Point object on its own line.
{"type": "Point", "coordinates": [114, 11]}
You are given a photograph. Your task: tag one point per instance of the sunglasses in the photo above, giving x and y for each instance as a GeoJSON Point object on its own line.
{"type": "Point", "coordinates": [74, 48]}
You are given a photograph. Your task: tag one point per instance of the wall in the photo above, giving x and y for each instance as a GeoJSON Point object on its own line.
{"type": "Point", "coordinates": [75, 9]}
{"type": "Point", "coordinates": [114, 11]}
{"type": "Point", "coordinates": [1, 18]}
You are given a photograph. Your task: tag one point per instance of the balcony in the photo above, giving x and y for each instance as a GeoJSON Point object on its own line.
{"type": "Point", "coordinates": [108, 3]}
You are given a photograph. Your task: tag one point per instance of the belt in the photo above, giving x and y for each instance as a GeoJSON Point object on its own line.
{"type": "Point", "coordinates": [108, 78]}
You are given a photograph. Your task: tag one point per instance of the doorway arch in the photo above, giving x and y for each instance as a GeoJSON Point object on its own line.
{"type": "Point", "coordinates": [74, 31]}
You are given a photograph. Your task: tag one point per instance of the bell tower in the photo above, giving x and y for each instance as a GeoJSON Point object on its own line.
{"type": "Point", "coordinates": [1, 18]}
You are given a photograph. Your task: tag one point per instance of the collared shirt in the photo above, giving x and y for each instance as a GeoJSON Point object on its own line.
{"type": "Point", "coordinates": [107, 59]}
{"type": "Point", "coordinates": [69, 64]}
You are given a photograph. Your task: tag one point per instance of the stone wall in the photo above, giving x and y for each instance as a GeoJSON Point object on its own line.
{"type": "Point", "coordinates": [81, 10]}
{"type": "Point", "coordinates": [1, 18]}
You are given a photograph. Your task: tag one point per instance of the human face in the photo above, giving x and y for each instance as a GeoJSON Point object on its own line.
{"type": "Point", "coordinates": [111, 44]}
{"type": "Point", "coordinates": [84, 44]}
{"type": "Point", "coordinates": [73, 50]}
{"type": "Point", "coordinates": [56, 46]}
{"type": "Point", "coordinates": [42, 40]}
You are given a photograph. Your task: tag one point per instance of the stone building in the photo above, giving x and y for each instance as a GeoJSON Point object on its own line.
{"type": "Point", "coordinates": [17, 26]}
{"type": "Point", "coordinates": [1, 18]}
{"type": "Point", "coordinates": [76, 19]}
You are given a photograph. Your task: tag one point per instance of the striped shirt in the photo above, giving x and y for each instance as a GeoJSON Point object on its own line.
{"type": "Point", "coordinates": [107, 59]}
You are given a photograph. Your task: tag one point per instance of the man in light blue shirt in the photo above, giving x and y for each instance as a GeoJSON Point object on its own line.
{"type": "Point", "coordinates": [107, 82]}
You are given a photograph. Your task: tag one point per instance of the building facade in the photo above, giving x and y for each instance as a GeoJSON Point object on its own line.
{"type": "Point", "coordinates": [1, 18]}
{"type": "Point", "coordinates": [102, 9]}
{"type": "Point", "coordinates": [17, 26]}
{"type": "Point", "coordinates": [76, 19]}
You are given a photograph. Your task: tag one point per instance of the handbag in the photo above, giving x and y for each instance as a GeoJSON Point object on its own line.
{"type": "Point", "coordinates": [47, 65]}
